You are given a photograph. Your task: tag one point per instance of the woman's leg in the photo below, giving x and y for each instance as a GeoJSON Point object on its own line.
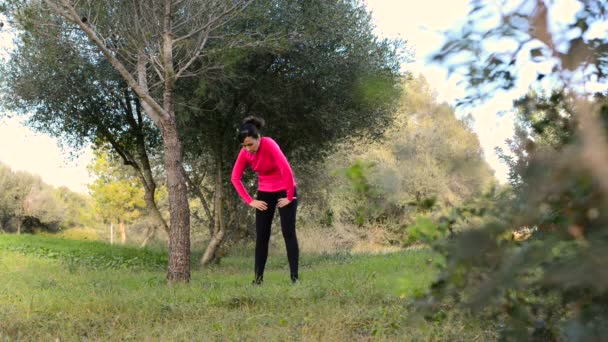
{"type": "Point", "coordinates": [288, 227]}
{"type": "Point", "coordinates": [263, 222]}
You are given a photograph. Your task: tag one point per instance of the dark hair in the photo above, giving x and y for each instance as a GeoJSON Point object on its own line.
{"type": "Point", "coordinates": [251, 127]}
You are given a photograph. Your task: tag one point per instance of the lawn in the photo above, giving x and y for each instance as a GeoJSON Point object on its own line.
{"type": "Point", "coordinates": [77, 290]}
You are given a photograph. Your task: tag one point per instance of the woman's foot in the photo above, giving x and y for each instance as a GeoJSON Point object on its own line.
{"type": "Point", "coordinates": [257, 281]}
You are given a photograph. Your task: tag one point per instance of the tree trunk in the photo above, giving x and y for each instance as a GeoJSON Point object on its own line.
{"type": "Point", "coordinates": [148, 178]}
{"type": "Point", "coordinates": [219, 227]}
{"type": "Point", "coordinates": [144, 168]}
{"type": "Point", "coordinates": [123, 233]}
{"type": "Point", "coordinates": [196, 190]}
{"type": "Point", "coordinates": [18, 226]}
{"type": "Point", "coordinates": [149, 233]}
{"type": "Point", "coordinates": [179, 236]}
{"type": "Point", "coordinates": [159, 221]}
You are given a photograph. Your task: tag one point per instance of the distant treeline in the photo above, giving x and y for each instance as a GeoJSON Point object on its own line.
{"type": "Point", "coordinates": [27, 204]}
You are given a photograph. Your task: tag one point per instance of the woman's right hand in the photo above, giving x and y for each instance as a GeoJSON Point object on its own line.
{"type": "Point", "coordinates": [259, 205]}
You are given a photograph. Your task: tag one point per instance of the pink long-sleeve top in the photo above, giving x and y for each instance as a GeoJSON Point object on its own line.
{"type": "Point", "coordinates": [272, 167]}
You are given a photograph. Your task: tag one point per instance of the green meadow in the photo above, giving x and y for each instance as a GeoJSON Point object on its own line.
{"type": "Point", "coordinates": [59, 289]}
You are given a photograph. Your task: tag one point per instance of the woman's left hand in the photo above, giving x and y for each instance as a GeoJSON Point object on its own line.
{"type": "Point", "coordinates": [283, 202]}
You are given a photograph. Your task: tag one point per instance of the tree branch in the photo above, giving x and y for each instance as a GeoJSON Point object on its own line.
{"type": "Point", "coordinates": [70, 14]}
{"type": "Point", "coordinates": [206, 30]}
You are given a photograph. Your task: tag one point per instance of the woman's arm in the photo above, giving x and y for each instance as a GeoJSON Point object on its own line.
{"type": "Point", "coordinates": [237, 175]}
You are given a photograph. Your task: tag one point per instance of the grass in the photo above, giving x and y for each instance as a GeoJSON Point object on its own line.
{"type": "Point", "coordinates": [85, 253]}
{"type": "Point", "coordinates": [50, 289]}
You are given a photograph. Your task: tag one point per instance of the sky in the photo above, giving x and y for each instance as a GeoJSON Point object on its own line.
{"type": "Point", "coordinates": [421, 23]}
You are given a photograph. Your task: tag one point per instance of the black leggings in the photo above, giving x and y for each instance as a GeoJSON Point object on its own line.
{"type": "Point", "coordinates": [263, 221]}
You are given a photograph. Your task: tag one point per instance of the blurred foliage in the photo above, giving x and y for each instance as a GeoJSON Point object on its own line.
{"type": "Point", "coordinates": [501, 39]}
{"type": "Point", "coordinates": [553, 285]}
{"type": "Point", "coordinates": [367, 200]}
{"type": "Point", "coordinates": [425, 230]}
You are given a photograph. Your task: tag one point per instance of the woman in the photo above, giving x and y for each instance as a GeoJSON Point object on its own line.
{"type": "Point", "coordinates": [276, 188]}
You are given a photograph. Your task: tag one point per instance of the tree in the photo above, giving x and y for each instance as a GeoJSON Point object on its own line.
{"type": "Point", "coordinates": [71, 93]}
{"type": "Point", "coordinates": [428, 161]}
{"type": "Point", "coordinates": [444, 156]}
{"type": "Point", "coordinates": [149, 42]}
{"type": "Point", "coordinates": [42, 205]}
{"type": "Point", "coordinates": [333, 80]}
{"type": "Point", "coordinates": [543, 122]}
{"type": "Point", "coordinates": [17, 189]}
{"type": "Point", "coordinates": [28, 203]}
{"type": "Point", "coordinates": [7, 199]}
{"type": "Point", "coordinates": [78, 209]}
{"type": "Point", "coordinates": [117, 193]}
